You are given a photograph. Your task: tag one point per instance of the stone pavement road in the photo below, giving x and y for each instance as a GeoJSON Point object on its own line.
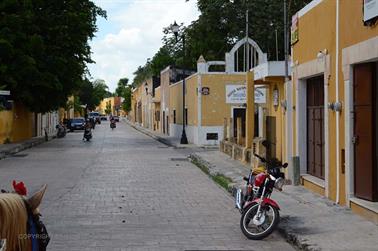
{"type": "Point", "coordinates": [125, 191]}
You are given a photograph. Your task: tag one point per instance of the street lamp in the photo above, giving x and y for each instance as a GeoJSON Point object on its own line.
{"type": "Point", "coordinates": [175, 28]}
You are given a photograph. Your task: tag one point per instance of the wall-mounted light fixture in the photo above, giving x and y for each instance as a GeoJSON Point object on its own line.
{"type": "Point", "coordinates": [284, 104]}
{"type": "Point", "coordinates": [322, 53]}
{"type": "Point", "coordinates": [276, 98]}
{"type": "Point", "coordinates": [335, 106]}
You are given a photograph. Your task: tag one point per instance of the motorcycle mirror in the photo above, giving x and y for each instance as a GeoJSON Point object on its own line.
{"type": "Point", "coordinates": [285, 165]}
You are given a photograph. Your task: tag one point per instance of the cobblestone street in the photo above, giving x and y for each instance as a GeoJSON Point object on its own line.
{"type": "Point", "coordinates": [126, 191]}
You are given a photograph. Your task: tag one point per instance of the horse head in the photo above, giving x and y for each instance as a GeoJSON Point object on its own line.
{"type": "Point", "coordinates": [16, 212]}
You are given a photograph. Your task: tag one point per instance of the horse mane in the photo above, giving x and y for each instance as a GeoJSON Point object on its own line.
{"type": "Point", "coordinates": [13, 222]}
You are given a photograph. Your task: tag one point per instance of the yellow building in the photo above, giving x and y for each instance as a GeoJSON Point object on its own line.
{"type": "Point", "coordinates": [67, 112]}
{"type": "Point", "coordinates": [111, 105]}
{"type": "Point", "coordinates": [145, 104]}
{"type": "Point", "coordinates": [205, 107]}
{"type": "Point", "coordinates": [261, 114]}
{"type": "Point", "coordinates": [332, 102]}
{"type": "Point", "coordinates": [20, 124]}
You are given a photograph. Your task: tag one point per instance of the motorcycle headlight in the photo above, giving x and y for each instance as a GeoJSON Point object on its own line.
{"type": "Point", "coordinates": [279, 183]}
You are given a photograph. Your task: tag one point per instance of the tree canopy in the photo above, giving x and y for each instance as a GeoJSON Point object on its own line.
{"type": "Point", "coordinates": [92, 93]}
{"type": "Point", "coordinates": [220, 25]}
{"type": "Point", "coordinates": [124, 90]}
{"type": "Point", "coordinates": [44, 49]}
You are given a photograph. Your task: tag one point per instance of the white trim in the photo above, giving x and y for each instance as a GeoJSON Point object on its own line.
{"type": "Point", "coordinates": [199, 105]}
{"type": "Point", "coordinates": [315, 180]}
{"type": "Point", "coordinates": [289, 128]}
{"type": "Point", "coordinates": [326, 131]}
{"type": "Point", "coordinates": [223, 73]}
{"type": "Point", "coordinates": [349, 147]}
{"type": "Point", "coordinates": [197, 135]}
{"type": "Point", "coordinates": [308, 7]}
{"type": "Point", "coordinates": [270, 69]}
{"type": "Point", "coordinates": [301, 105]}
{"type": "Point", "coordinates": [338, 112]}
{"type": "Point", "coordinates": [261, 121]}
{"type": "Point", "coordinates": [372, 206]}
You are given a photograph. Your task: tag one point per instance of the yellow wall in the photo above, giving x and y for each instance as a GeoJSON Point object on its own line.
{"type": "Point", "coordinates": [16, 125]}
{"type": "Point", "coordinates": [278, 113]}
{"type": "Point", "coordinates": [316, 32]}
{"type": "Point", "coordinates": [214, 106]}
{"type": "Point", "coordinates": [175, 102]}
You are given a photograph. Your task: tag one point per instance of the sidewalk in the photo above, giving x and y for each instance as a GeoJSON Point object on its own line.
{"type": "Point", "coordinates": [13, 148]}
{"type": "Point", "coordinates": [167, 140]}
{"type": "Point", "coordinates": [309, 221]}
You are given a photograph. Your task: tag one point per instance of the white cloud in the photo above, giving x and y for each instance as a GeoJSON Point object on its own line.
{"type": "Point", "coordinates": [133, 33]}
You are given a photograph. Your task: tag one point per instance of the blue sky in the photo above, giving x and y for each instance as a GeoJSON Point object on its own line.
{"type": "Point", "coordinates": [132, 33]}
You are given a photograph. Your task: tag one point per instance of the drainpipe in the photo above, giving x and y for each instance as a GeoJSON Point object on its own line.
{"type": "Point", "coordinates": [288, 90]}
{"type": "Point", "coordinates": [337, 112]}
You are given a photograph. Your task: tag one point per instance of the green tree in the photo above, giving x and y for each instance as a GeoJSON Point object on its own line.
{"type": "Point", "coordinates": [121, 85]}
{"type": "Point", "coordinates": [124, 90]}
{"type": "Point", "coordinates": [220, 25]}
{"type": "Point", "coordinates": [44, 49]}
{"type": "Point", "coordinates": [91, 93]}
{"type": "Point", "coordinates": [126, 104]}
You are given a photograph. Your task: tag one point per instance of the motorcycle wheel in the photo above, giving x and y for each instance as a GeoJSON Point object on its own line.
{"type": "Point", "coordinates": [265, 227]}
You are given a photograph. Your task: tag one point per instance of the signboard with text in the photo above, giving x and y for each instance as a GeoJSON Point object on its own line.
{"type": "Point", "coordinates": [260, 95]}
{"type": "Point", "coordinates": [237, 94]}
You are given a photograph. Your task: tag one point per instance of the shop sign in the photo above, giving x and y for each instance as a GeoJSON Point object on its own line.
{"type": "Point", "coordinates": [5, 93]}
{"type": "Point", "coordinates": [294, 29]}
{"type": "Point", "coordinates": [260, 95]}
{"type": "Point", "coordinates": [370, 9]}
{"type": "Point", "coordinates": [236, 94]}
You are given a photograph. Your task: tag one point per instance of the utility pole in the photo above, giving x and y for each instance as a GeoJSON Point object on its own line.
{"type": "Point", "coordinates": [286, 44]}
{"type": "Point", "coordinates": [246, 45]}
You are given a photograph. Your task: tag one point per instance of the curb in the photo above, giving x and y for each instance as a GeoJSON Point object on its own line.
{"type": "Point", "coordinates": [165, 141]}
{"type": "Point", "coordinates": [23, 146]}
{"type": "Point", "coordinates": [160, 139]}
{"type": "Point", "coordinates": [292, 238]}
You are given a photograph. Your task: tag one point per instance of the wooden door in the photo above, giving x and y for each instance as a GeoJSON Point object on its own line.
{"type": "Point", "coordinates": [364, 132]}
{"type": "Point", "coordinates": [271, 136]}
{"type": "Point", "coordinates": [239, 112]}
{"type": "Point", "coordinates": [164, 122]}
{"type": "Point", "coordinates": [315, 126]}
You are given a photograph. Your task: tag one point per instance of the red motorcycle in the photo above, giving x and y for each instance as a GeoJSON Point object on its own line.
{"type": "Point", "coordinates": [260, 214]}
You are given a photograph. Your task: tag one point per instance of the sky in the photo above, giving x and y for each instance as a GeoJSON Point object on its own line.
{"type": "Point", "coordinates": [132, 33]}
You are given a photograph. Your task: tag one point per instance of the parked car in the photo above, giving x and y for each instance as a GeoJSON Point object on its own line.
{"type": "Point", "coordinates": [95, 116]}
{"type": "Point", "coordinates": [103, 117]}
{"type": "Point", "coordinates": [116, 118]}
{"type": "Point", "coordinates": [77, 124]}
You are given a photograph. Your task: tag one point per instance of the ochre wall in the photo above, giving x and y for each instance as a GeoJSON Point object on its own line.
{"type": "Point", "coordinates": [278, 113]}
{"type": "Point", "coordinates": [175, 102]}
{"type": "Point", "coordinates": [316, 32]}
{"type": "Point", "coordinates": [16, 125]}
{"type": "Point", "coordinates": [214, 106]}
